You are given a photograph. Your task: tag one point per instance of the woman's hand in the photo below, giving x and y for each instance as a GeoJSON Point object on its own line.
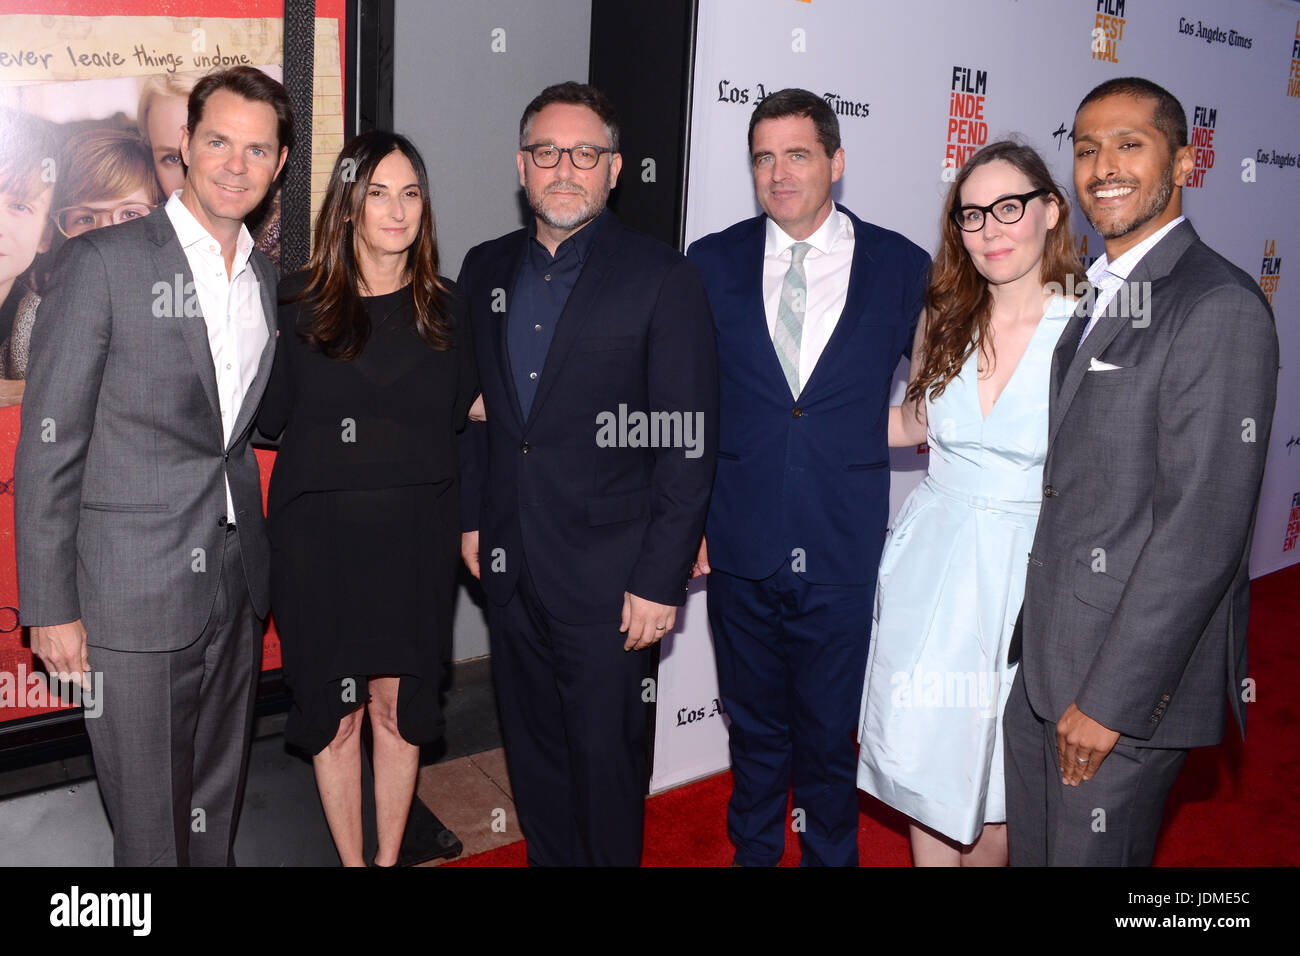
{"type": "Point", "coordinates": [477, 413]}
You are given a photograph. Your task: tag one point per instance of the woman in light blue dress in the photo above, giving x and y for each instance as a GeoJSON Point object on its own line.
{"type": "Point", "coordinates": [952, 574]}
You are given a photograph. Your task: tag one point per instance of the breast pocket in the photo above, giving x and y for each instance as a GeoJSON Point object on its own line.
{"type": "Point", "coordinates": [606, 343]}
{"type": "Point", "coordinates": [607, 367]}
{"type": "Point", "coordinates": [1110, 378]}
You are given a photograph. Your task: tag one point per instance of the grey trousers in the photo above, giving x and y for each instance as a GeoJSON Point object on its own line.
{"type": "Point", "coordinates": [171, 744]}
{"type": "Point", "coordinates": [1110, 820]}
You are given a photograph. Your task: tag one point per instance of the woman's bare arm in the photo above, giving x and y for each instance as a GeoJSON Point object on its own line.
{"type": "Point", "coordinates": [907, 422]}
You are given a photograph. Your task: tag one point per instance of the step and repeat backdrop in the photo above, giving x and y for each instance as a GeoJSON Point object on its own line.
{"type": "Point", "coordinates": [918, 88]}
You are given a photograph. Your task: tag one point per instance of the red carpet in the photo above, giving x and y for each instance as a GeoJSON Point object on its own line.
{"type": "Point", "coordinates": [1233, 805]}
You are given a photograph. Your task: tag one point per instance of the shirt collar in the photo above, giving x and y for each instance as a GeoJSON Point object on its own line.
{"type": "Point", "coordinates": [1119, 270]}
{"type": "Point", "coordinates": [581, 241]}
{"type": "Point", "coordinates": [823, 240]}
{"type": "Point", "coordinates": [191, 233]}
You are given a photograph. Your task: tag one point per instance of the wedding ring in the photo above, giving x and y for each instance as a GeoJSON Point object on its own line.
{"type": "Point", "coordinates": [1081, 759]}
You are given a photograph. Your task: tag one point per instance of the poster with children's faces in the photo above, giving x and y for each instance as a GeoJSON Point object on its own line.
{"type": "Point", "coordinates": [91, 112]}
{"type": "Point", "coordinates": [93, 95]}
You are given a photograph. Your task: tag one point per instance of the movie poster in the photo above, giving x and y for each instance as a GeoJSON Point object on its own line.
{"type": "Point", "coordinates": [92, 99]}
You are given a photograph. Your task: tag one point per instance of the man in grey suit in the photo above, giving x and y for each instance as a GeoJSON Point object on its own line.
{"type": "Point", "coordinates": [142, 553]}
{"type": "Point", "coordinates": [1134, 622]}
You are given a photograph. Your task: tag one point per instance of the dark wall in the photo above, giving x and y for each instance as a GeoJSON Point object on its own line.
{"type": "Point", "coordinates": [641, 57]}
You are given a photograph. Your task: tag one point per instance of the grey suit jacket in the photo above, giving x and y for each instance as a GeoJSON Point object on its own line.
{"type": "Point", "coordinates": [1138, 588]}
{"type": "Point", "coordinates": [120, 503]}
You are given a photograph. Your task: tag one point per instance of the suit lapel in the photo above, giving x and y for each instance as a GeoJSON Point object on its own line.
{"type": "Point", "coordinates": [854, 303]}
{"type": "Point", "coordinates": [1069, 365]}
{"type": "Point", "coordinates": [1068, 370]}
{"type": "Point", "coordinates": [266, 281]}
{"type": "Point", "coordinates": [751, 257]}
{"type": "Point", "coordinates": [1102, 334]}
{"type": "Point", "coordinates": [509, 266]}
{"type": "Point", "coordinates": [173, 268]}
{"type": "Point", "coordinates": [581, 304]}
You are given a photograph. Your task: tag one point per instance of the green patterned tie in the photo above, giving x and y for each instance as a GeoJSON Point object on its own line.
{"type": "Point", "coordinates": [789, 316]}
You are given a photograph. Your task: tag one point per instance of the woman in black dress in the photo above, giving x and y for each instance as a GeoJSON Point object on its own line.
{"type": "Point", "coordinates": [374, 374]}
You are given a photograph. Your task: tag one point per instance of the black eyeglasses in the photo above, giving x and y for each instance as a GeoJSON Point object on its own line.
{"type": "Point", "coordinates": [547, 156]}
{"type": "Point", "coordinates": [1007, 210]}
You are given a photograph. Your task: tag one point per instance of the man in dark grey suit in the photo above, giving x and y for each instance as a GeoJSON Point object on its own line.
{"type": "Point", "coordinates": [1134, 622]}
{"type": "Point", "coordinates": [142, 555]}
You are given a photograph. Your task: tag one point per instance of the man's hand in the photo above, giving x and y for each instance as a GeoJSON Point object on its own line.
{"type": "Point", "coordinates": [644, 621]}
{"type": "Point", "coordinates": [701, 560]}
{"type": "Point", "coordinates": [477, 412]}
{"type": "Point", "coordinates": [63, 649]}
{"type": "Point", "coordinates": [469, 551]}
{"type": "Point", "coordinates": [1081, 745]}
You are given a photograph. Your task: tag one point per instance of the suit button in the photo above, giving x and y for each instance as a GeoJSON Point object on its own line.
{"type": "Point", "coordinates": [797, 413]}
{"type": "Point", "coordinates": [525, 447]}
{"type": "Point", "coordinates": [226, 457]}
{"type": "Point", "coordinates": [221, 522]}
{"type": "Point", "coordinates": [1049, 491]}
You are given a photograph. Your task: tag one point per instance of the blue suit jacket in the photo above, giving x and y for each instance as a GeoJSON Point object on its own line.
{"type": "Point", "coordinates": [594, 518]}
{"type": "Point", "coordinates": [810, 473]}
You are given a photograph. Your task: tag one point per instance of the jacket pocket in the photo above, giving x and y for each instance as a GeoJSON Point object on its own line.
{"type": "Point", "coordinates": [609, 509]}
{"type": "Point", "coordinates": [124, 506]}
{"type": "Point", "coordinates": [865, 465]}
{"type": "Point", "coordinates": [1097, 589]}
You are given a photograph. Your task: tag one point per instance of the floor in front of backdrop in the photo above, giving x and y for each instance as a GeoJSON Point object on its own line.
{"type": "Point", "coordinates": [1233, 804]}
{"type": "Point", "coordinates": [52, 815]}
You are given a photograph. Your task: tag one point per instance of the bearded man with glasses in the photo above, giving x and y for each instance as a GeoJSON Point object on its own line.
{"type": "Point", "coordinates": [582, 535]}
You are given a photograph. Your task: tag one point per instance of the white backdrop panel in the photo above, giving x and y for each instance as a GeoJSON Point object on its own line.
{"type": "Point", "coordinates": [891, 69]}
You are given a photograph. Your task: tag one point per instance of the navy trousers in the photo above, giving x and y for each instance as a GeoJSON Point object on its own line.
{"type": "Point", "coordinates": [791, 659]}
{"type": "Point", "coordinates": [573, 721]}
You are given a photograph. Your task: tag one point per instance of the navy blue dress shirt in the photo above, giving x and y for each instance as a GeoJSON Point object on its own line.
{"type": "Point", "coordinates": [541, 291]}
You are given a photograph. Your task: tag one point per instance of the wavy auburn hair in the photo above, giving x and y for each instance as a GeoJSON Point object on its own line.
{"type": "Point", "coordinates": [957, 301]}
{"type": "Point", "coordinates": [339, 325]}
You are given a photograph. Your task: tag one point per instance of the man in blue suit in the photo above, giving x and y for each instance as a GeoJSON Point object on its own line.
{"type": "Point", "coordinates": [584, 496]}
{"type": "Point", "coordinates": [813, 309]}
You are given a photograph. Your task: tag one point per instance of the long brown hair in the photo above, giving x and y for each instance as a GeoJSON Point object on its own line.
{"type": "Point", "coordinates": [957, 301]}
{"type": "Point", "coordinates": [339, 325]}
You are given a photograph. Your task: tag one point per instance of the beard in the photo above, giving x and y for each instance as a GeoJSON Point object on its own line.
{"type": "Point", "coordinates": [580, 216]}
{"type": "Point", "coordinates": [1152, 208]}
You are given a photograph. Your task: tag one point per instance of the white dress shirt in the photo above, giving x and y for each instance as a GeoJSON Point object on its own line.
{"type": "Point", "coordinates": [1109, 276]}
{"type": "Point", "coordinates": [232, 310]}
{"type": "Point", "coordinates": [826, 267]}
